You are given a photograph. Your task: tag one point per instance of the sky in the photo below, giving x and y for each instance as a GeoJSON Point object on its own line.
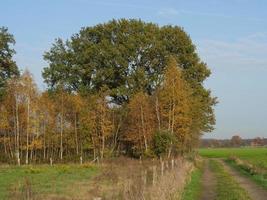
{"type": "Point", "coordinates": [230, 36]}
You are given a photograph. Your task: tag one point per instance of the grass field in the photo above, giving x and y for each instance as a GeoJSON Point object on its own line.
{"type": "Point", "coordinates": [253, 161]}
{"type": "Point", "coordinates": [42, 179]}
{"type": "Point", "coordinates": [256, 156]}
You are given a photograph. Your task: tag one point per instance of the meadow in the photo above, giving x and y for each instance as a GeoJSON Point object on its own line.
{"type": "Point", "coordinates": [255, 156]}
{"type": "Point", "coordinates": [109, 180]}
{"type": "Point", "coordinates": [30, 181]}
{"type": "Point", "coordinates": [251, 162]}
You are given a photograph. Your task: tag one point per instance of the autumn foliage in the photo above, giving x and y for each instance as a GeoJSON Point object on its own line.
{"type": "Point", "coordinates": [139, 95]}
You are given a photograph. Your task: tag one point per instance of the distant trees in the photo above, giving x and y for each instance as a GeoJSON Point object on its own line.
{"type": "Point", "coordinates": [257, 142]}
{"type": "Point", "coordinates": [229, 143]}
{"type": "Point", "coordinates": [124, 87]}
{"type": "Point", "coordinates": [236, 141]}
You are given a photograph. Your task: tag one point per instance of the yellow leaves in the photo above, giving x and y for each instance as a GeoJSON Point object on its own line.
{"type": "Point", "coordinates": [36, 144]}
{"type": "Point", "coordinates": [175, 104]}
{"type": "Point", "coordinates": [140, 120]}
{"type": "Point", "coordinates": [96, 116]}
{"type": "Point", "coordinates": [4, 123]}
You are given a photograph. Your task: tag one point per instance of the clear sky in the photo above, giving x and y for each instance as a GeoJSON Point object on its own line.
{"type": "Point", "coordinates": [230, 36]}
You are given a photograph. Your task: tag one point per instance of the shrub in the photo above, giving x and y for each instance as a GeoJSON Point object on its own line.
{"type": "Point", "coordinates": [162, 141]}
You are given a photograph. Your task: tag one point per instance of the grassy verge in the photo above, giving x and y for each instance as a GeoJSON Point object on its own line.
{"type": "Point", "coordinates": [42, 179]}
{"type": "Point", "coordinates": [227, 188]}
{"type": "Point", "coordinates": [260, 179]}
{"type": "Point", "coordinates": [192, 189]}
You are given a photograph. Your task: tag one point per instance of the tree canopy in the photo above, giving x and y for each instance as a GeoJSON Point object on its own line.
{"type": "Point", "coordinates": [124, 55]}
{"type": "Point", "coordinates": [8, 67]}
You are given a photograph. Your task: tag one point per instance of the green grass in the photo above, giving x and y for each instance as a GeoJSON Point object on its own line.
{"type": "Point", "coordinates": [255, 156]}
{"type": "Point", "coordinates": [227, 188]}
{"type": "Point", "coordinates": [43, 179]}
{"type": "Point", "coordinates": [260, 179]}
{"type": "Point", "coordinates": [192, 189]}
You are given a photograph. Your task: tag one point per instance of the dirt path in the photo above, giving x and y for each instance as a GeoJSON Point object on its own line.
{"type": "Point", "coordinates": [208, 184]}
{"type": "Point", "coordinates": [254, 191]}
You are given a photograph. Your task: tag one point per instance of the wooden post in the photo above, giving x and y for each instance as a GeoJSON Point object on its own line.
{"type": "Point", "coordinates": [81, 160]}
{"type": "Point", "coordinates": [145, 177]}
{"type": "Point", "coordinates": [18, 161]}
{"type": "Point", "coordinates": [167, 164]}
{"type": "Point", "coordinates": [154, 175]}
{"type": "Point", "coordinates": [51, 161]}
{"type": "Point", "coordinates": [172, 164]}
{"type": "Point", "coordinates": [162, 168]}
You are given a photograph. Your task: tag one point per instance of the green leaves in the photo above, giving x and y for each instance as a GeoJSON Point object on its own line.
{"type": "Point", "coordinates": [125, 55]}
{"type": "Point", "coordinates": [8, 67]}
{"type": "Point", "coordinates": [162, 141]}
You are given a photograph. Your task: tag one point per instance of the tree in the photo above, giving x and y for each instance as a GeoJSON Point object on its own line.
{"type": "Point", "coordinates": [96, 122]}
{"type": "Point", "coordinates": [121, 86]}
{"type": "Point", "coordinates": [175, 104]}
{"type": "Point", "coordinates": [15, 101]}
{"type": "Point", "coordinates": [127, 56]}
{"type": "Point", "coordinates": [29, 91]}
{"type": "Point", "coordinates": [4, 126]}
{"type": "Point", "coordinates": [8, 67]}
{"type": "Point", "coordinates": [258, 141]}
{"type": "Point", "coordinates": [236, 141]}
{"type": "Point", "coordinates": [62, 100]}
{"type": "Point", "coordinates": [47, 115]}
{"type": "Point", "coordinates": [141, 123]}
{"type": "Point", "coordinates": [77, 105]}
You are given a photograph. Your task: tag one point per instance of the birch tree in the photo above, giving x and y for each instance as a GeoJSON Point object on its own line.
{"type": "Point", "coordinates": [175, 103]}
{"type": "Point", "coordinates": [141, 121]}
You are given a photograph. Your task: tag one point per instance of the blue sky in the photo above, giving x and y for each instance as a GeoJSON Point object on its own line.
{"type": "Point", "coordinates": [230, 36]}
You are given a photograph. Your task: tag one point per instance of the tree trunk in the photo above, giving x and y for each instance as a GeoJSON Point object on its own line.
{"type": "Point", "coordinates": [173, 116]}
{"type": "Point", "coordinates": [94, 148]}
{"type": "Point", "coordinates": [5, 148]}
{"type": "Point", "coordinates": [157, 112]}
{"type": "Point", "coordinates": [27, 132]}
{"type": "Point", "coordinates": [44, 140]}
{"type": "Point", "coordinates": [116, 137]}
{"type": "Point", "coordinates": [61, 130]}
{"type": "Point", "coordinates": [17, 131]}
{"type": "Point", "coordinates": [103, 146]}
{"type": "Point", "coordinates": [170, 113]}
{"type": "Point", "coordinates": [76, 134]}
{"type": "Point", "coordinates": [10, 147]}
{"type": "Point", "coordinates": [143, 127]}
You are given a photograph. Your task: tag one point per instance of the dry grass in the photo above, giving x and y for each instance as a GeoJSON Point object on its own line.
{"type": "Point", "coordinates": [123, 178]}
{"type": "Point", "coordinates": [132, 180]}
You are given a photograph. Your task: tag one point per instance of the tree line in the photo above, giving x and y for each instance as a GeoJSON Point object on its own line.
{"type": "Point", "coordinates": [122, 87]}
{"type": "Point", "coordinates": [235, 141]}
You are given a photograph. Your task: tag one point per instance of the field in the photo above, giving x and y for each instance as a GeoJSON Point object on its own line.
{"type": "Point", "coordinates": [250, 162]}
{"type": "Point", "coordinates": [255, 156]}
{"type": "Point", "coordinates": [107, 180]}
{"type": "Point", "coordinates": [27, 181]}
{"type": "Point", "coordinates": [218, 171]}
